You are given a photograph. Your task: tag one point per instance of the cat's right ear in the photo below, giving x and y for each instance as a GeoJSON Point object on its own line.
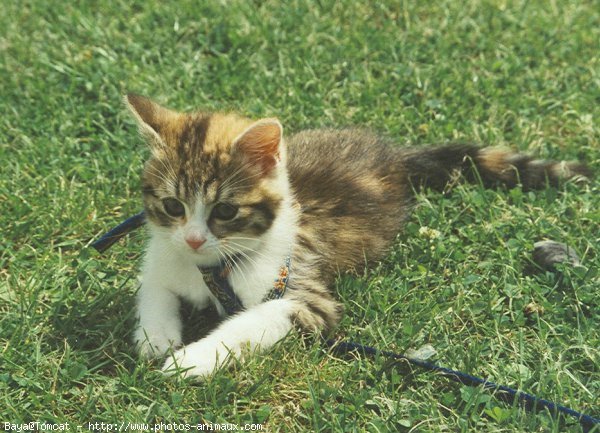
{"type": "Point", "coordinates": [152, 119]}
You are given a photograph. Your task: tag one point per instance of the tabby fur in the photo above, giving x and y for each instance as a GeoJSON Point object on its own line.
{"type": "Point", "coordinates": [334, 199]}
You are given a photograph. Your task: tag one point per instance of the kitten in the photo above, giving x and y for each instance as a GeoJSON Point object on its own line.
{"type": "Point", "coordinates": [220, 188]}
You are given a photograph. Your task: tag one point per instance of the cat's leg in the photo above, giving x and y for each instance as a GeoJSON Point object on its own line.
{"type": "Point", "coordinates": [159, 326]}
{"type": "Point", "coordinates": [258, 327]}
{"type": "Point", "coordinates": [308, 306]}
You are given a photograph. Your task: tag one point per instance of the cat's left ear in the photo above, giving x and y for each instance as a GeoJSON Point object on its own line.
{"type": "Point", "coordinates": [263, 143]}
{"type": "Point", "coordinates": [153, 119]}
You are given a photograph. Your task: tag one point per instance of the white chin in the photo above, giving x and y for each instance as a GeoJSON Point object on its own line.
{"type": "Point", "coordinates": [202, 258]}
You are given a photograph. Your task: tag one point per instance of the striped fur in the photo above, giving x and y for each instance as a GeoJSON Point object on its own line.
{"type": "Point", "coordinates": [335, 198]}
{"type": "Point", "coordinates": [355, 190]}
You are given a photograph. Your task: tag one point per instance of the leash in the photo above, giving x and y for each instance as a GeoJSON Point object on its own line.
{"type": "Point", "coordinates": [216, 279]}
{"type": "Point", "coordinates": [529, 401]}
{"type": "Point", "coordinates": [112, 236]}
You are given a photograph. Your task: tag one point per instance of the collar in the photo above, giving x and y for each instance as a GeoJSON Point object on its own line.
{"type": "Point", "coordinates": [217, 280]}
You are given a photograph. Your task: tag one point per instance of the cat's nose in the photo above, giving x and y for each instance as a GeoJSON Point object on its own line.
{"type": "Point", "coordinates": [195, 243]}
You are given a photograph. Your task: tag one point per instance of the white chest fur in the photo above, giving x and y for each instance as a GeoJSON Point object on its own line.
{"type": "Point", "coordinates": [169, 273]}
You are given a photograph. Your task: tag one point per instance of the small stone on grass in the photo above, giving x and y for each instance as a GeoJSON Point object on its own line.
{"type": "Point", "coordinates": [546, 254]}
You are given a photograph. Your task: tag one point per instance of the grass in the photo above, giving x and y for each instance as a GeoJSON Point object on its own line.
{"type": "Point", "coordinates": [518, 73]}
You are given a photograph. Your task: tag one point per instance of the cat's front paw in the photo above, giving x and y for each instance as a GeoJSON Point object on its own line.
{"type": "Point", "coordinates": [197, 359]}
{"type": "Point", "coordinates": [152, 343]}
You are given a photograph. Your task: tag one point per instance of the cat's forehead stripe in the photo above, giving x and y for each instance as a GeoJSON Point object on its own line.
{"type": "Point", "coordinates": [193, 135]}
{"type": "Point", "coordinates": [210, 189]}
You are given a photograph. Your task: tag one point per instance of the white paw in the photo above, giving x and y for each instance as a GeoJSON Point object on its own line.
{"type": "Point", "coordinates": [201, 358]}
{"type": "Point", "coordinates": [155, 342]}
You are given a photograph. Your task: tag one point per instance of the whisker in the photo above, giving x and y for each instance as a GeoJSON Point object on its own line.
{"type": "Point", "coordinates": [247, 258]}
{"type": "Point", "coordinates": [169, 167]}
{"type": "Point", "coordinates": [252, 250]}
{"type": "Point", "coordinates": [236, 264]}
{"type": "Point", "coordinates": [229, 184]}
{"type": "Point", "coordinates": [237, 244]}
{"type": "Point", "coordinates": [161, 176]}
{"type": "Point", "coordinates": [235, 174]}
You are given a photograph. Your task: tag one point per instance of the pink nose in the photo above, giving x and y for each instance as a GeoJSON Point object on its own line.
{"type": "Point", "coordinates": [195, 243]}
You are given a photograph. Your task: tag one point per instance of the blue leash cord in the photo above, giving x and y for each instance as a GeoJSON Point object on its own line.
{"type": "Point", "coordinates": [530, 402]}
{"type": "Point", "coordinates": [108, 239]}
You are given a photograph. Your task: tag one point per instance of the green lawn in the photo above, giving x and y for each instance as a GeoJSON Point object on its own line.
{"type": "Point", "coordinates": [519, 73]}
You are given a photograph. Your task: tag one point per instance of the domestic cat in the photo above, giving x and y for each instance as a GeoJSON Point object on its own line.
{"type": "Point", "coordinates": [223, 189]}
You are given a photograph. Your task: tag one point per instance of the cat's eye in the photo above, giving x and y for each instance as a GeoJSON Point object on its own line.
{"type": "Point", "coordinates": [224, 211]}
{"type": "Point", "coordinates": [173, 207]}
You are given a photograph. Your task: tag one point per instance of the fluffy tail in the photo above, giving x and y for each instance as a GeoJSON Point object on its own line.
{"type": "Point", "coordinates": [437, 167]}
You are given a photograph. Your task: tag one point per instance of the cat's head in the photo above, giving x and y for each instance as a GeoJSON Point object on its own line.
{"type": "Point", "coordinates": [214, 183]}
